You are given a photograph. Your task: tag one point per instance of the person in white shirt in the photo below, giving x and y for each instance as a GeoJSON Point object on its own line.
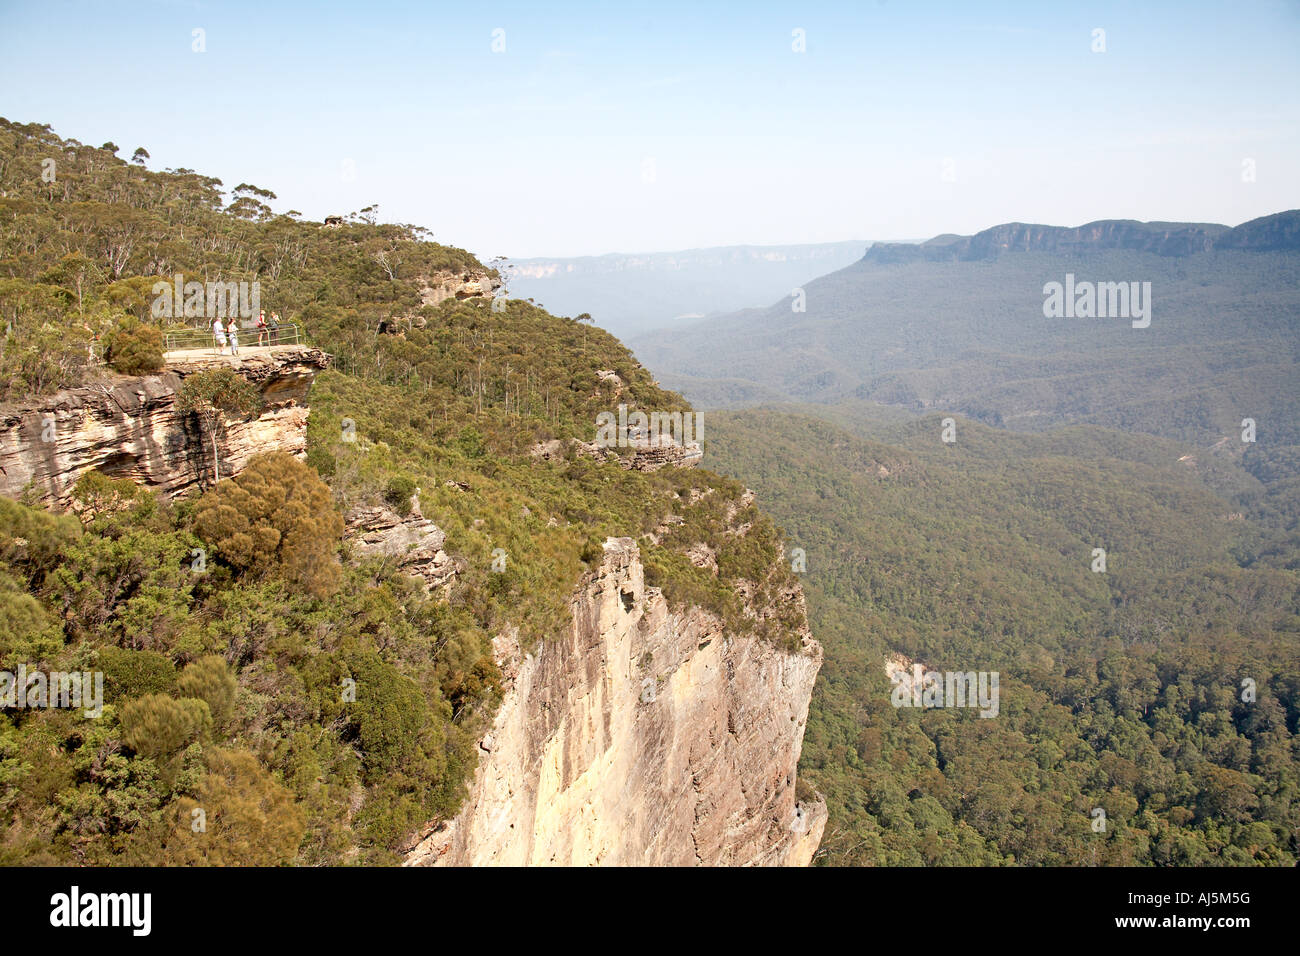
{"type": "Point", "coordinates": [219, 336]}
{"type": "Point", "coordinates": [234, 336]}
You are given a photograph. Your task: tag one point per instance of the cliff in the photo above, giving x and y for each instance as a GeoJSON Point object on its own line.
{"type": "Point", "coordinates": [644, 735]}
{"type": "Point", "coordinates": [1279, 231]}
{"type": "Point", "coordinates": [129, 427]}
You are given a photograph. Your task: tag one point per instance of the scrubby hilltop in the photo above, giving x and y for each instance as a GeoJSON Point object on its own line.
{"type": "Point", "coordinates": [298, 660]}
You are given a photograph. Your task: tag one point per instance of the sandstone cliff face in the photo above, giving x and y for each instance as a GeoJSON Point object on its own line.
{"type": "Point", "coordinates": [413, 543]}
{"type": "Point", "coordinates": [642, 736]}
{"type": "Point", "coordinates": [467, 285]}
{"type": "Point", "coordinates": [129, 427]}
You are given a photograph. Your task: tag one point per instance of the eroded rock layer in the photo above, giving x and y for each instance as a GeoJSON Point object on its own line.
{"type": "Point", "coordinates": [129, 427]}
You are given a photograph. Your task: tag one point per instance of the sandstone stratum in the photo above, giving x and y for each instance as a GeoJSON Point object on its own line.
{"type": "Point", "coordinates": [129, 426]}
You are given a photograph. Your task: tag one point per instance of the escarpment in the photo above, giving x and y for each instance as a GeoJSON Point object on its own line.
{"type": "Point", "coordinates": [644, 735]}
{"type": "Point", "coordinates": [130, 427]}
{"type": "Point", "coordinates": [1280, 231]}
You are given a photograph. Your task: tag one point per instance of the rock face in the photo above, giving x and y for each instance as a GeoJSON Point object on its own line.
{"type": "Point", "coordinates": [466, 285]}
{"type": "Point", "coordinates": [642, 736]}
{"type": "Point", "coordinates": [129, 427]}
{"type": "Point", "coordinates": [650, 455]}
{"type": "Point", "coordinates": [414, 542]}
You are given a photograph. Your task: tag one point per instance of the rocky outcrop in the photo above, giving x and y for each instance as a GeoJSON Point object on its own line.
{"type": "Point", "coordinates": [413, 542]}
{"type": "Point", "coordinates": [650, 454]}
{"type": "Point", "coordinates": [643, 735]}
{"type": "Point", "coordinates": [129, 426]}
{"type": "Point", "coordinates": [459, 285]}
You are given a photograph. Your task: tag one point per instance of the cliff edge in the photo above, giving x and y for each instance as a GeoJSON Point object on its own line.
{"type": "Point", "coordinates": [643, 736]}
{"type": "Point", "coordinates": [129, 426]}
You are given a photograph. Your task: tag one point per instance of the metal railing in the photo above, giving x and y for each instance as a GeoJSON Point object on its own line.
{"type": "Point", "coordinates": [289, 333]}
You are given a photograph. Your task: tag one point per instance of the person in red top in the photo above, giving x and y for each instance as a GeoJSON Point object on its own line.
{"type": "Point", "coordinates": [261, 327]}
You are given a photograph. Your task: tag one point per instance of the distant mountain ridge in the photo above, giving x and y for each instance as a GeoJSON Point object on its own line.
{"type": "Point", "coordinates": [957, 323]}
{"type": "Point", "coordinates": [546, 267]}
{"type": "Point", "coordinates": [1280, 231]}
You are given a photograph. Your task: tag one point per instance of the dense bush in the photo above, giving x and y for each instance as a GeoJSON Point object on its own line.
{"type": "Point", "coordinates": [209, 680]}
{"type": "Point", "coordinates": [158, 726]}
{"type": "Point", "coordinates": [398, 494]}
{"type": "Point", "coordinates": [275, 517]}
{"type": "Point", "coordinates": [134, 348]}
{"type": "Point", "coordinates": [1120, 691]}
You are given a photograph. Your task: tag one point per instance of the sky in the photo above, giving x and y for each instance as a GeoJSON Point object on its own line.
{"type": "Point", "coordinates": [561, 129]}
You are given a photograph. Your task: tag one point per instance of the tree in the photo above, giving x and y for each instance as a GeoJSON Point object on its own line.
{"type": "Point", "coordinates": [96, 495]}
{"type": "Point", "coordinates": [132, 295]}
{"type": "Point", "coordinates": [134, 348]}
{"type": "Point", "coordinates": [77, 273]}
{"type": "Point", "coordinates": [212, 395]}
{"type": "Point", "coordinates": [275, 517]}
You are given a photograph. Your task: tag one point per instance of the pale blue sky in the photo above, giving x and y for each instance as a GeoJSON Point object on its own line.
{"type": "Point", "coordinates": [671, 125]}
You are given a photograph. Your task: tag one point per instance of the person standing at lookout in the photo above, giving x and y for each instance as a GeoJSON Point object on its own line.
{"type": "Point", "coordinates": [274, 326]}
{"type": "Point", "coordinates": [219, 335]}
{"type": "Point", "coordinates": [234, 336]}
{"type": "Point", "coordinates": [261, 327]}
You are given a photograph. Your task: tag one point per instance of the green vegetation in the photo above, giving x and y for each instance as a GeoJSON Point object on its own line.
{"type": "Point", "coordinates": [275, 518]}
{"type": "Point", "coordinates": [134, 348]}
{"type": "Point", "coordinates": [1121, 691]}
{"type": "Point", "coordinates": [80, 253]}
{"type": "Point", "coordinates": [970, 337]}
{"type": "Point", "coordinates": [212, 395]}
{"type": "Point", "coordinates": [305, 705]}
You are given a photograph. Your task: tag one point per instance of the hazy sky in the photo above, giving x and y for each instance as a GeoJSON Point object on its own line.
{"type": "Point", "coordinates": [639, 127]}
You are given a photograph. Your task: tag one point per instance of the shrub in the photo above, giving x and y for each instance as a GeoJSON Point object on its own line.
{"type": "Point", "coordinates": [129, 674]}
{"type": "Point", "coordinates": [389, 716]}
{"type": "Point", "coordinates": [27, 632]}
{"type": "Point", "coordinates": [275, 518]}
{"type": "Point", "coordinates": [95, 494]}
{"type": "Point", "coordinates": [398, 494]}
{"type": "Point", "coordinates": [157, 726]}
{"type": "Point", "coordinates": [134, 348]}
{"type": "Point", "coordinates": [249, 818]}
{"type": "Point", "coordinates": [209, 679]}
{"type": "Point", "coordinates": [470, 443]}
{"type": "Point", "coordinates": [34, 540]}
